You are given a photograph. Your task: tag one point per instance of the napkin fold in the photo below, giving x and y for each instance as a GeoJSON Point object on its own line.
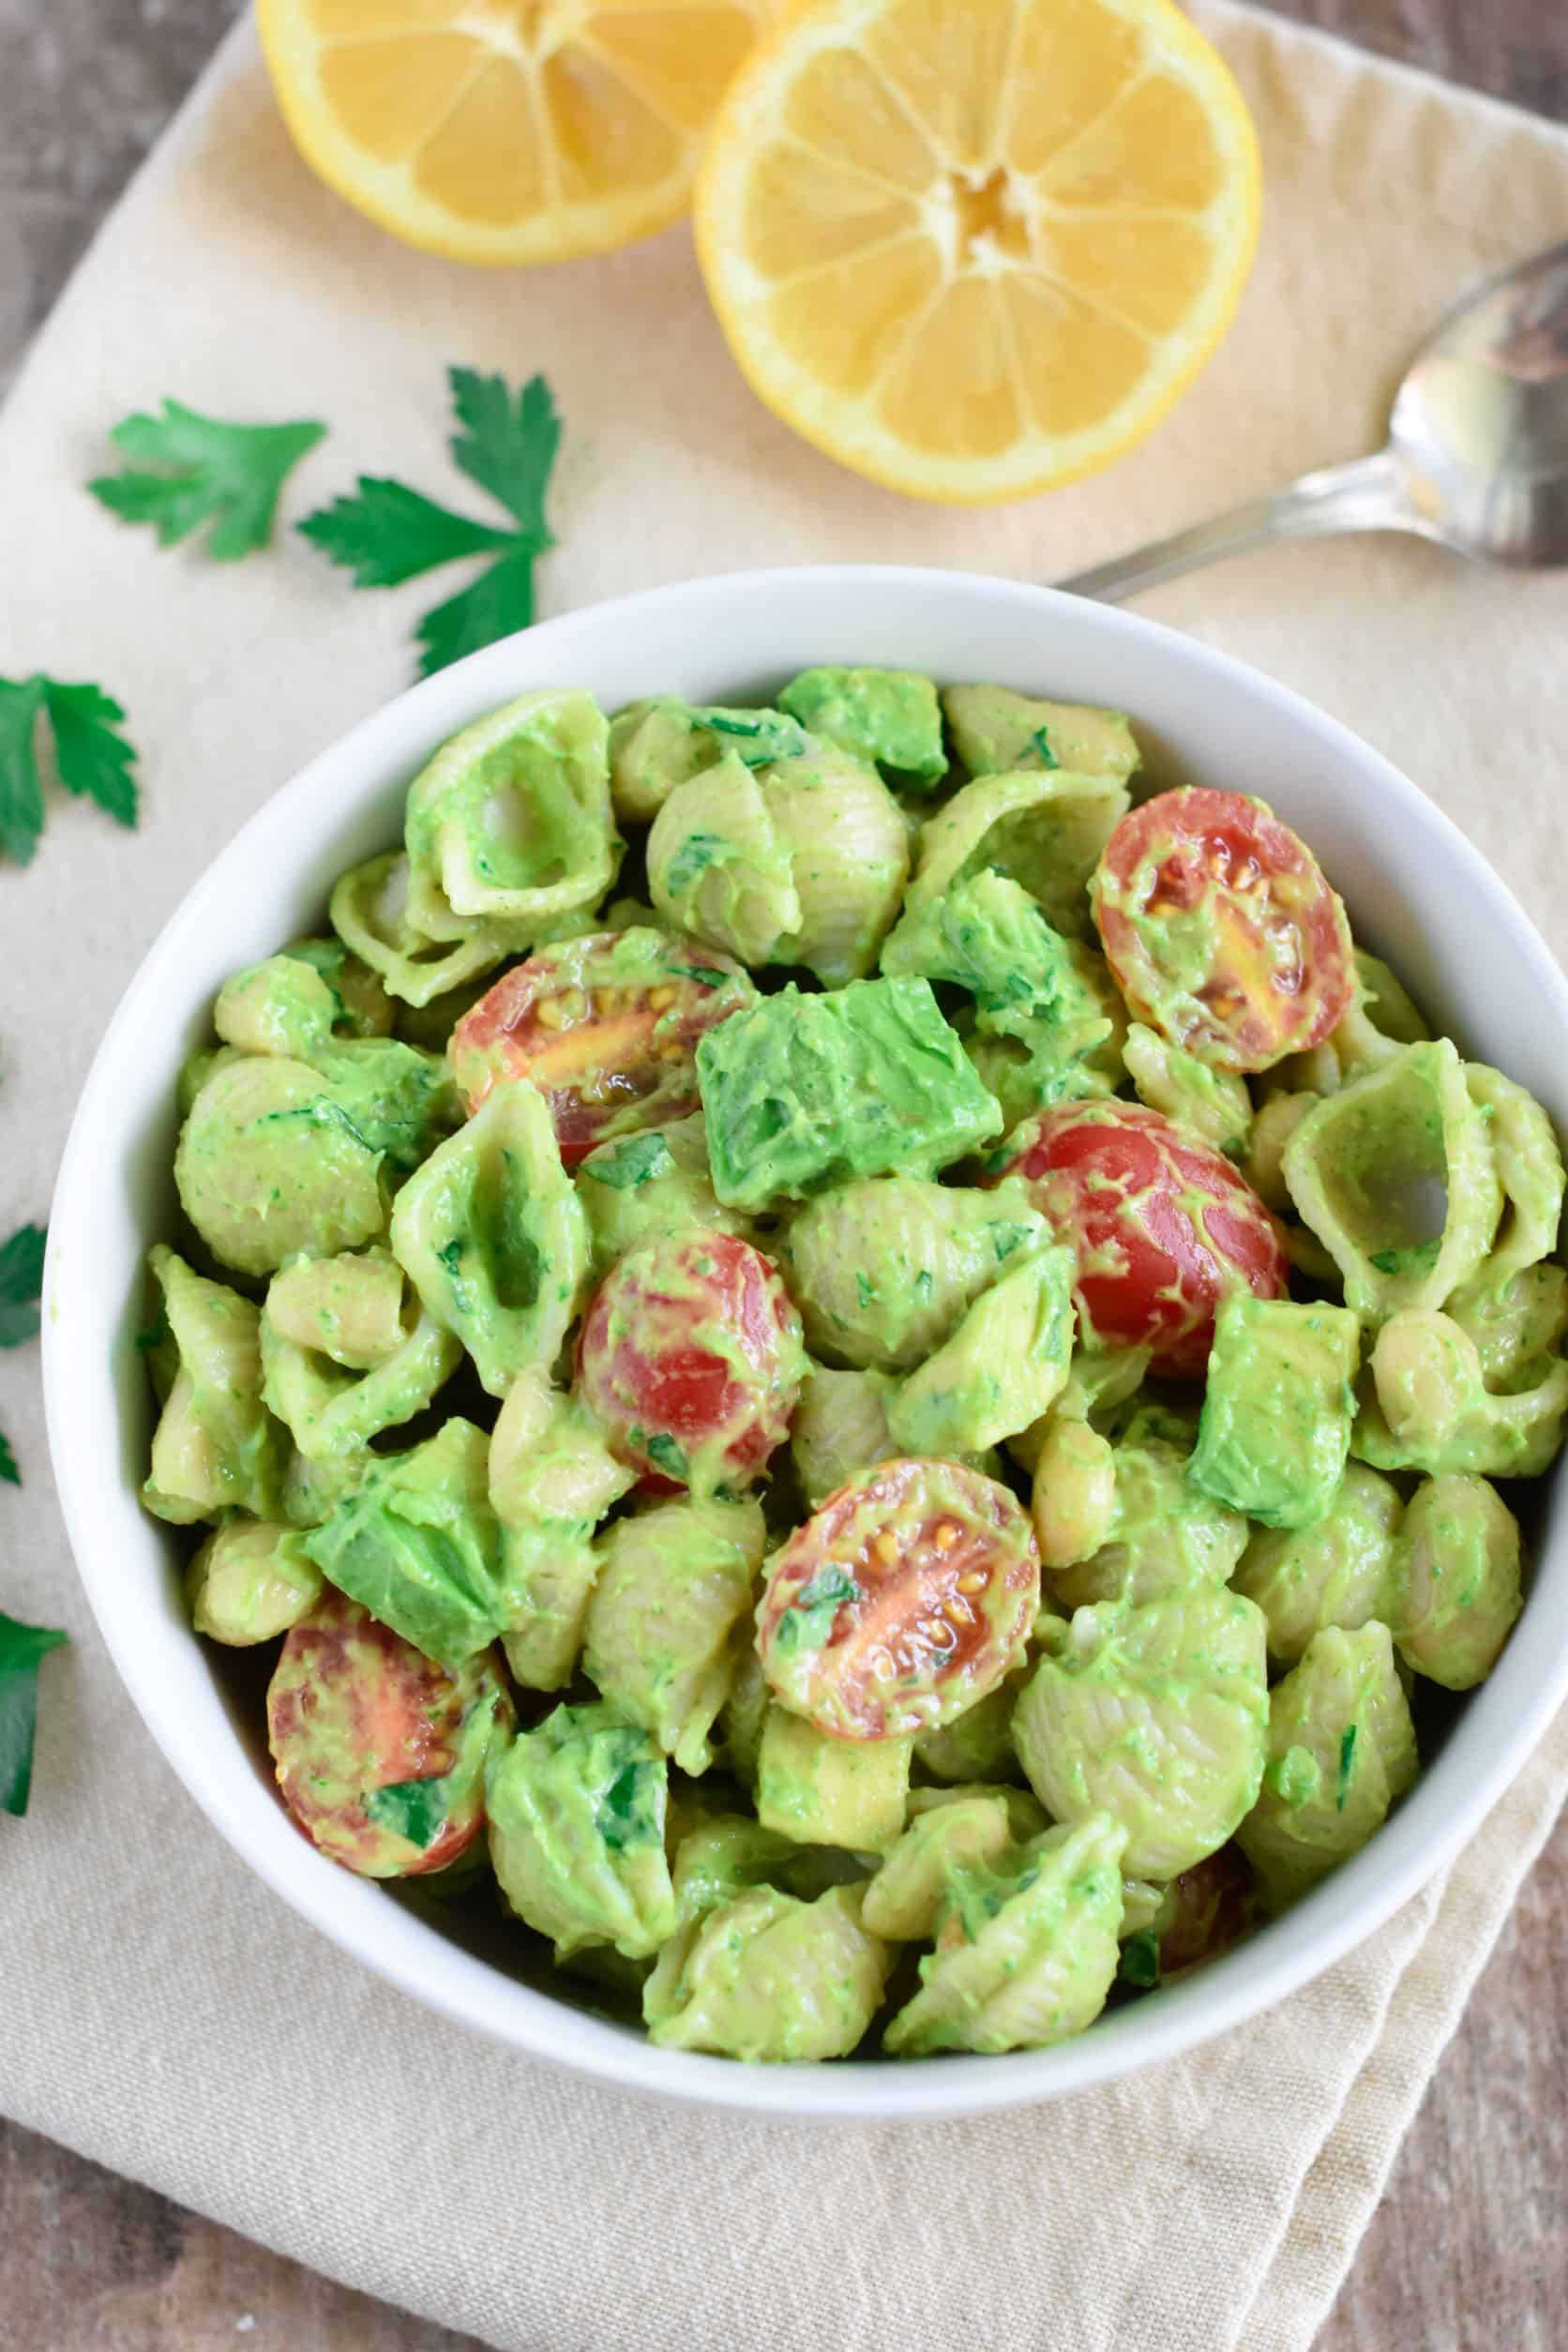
{"type": "Point", "coordinates": [162, 2011]}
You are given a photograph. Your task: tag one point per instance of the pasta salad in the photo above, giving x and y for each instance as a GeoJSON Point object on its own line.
{"type": "Point", "coordinates": [869, 1362]}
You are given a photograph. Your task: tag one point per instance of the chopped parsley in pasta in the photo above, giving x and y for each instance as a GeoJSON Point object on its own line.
{"type": "Point", "coordinates": [947, 1365]}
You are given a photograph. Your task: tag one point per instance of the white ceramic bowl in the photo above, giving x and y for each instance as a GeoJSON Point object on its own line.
{"type": "Point", "coordinates": [1418, 893]}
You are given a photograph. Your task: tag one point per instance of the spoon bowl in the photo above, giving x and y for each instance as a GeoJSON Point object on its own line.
{"type": "Point", "coordinates": [1479, 432]}
{"type": "Point", "coordinates": [1476, 458]}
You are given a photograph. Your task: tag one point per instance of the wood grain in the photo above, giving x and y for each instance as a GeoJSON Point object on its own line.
{"type": "Point", "coordinates": [1467, 2252]}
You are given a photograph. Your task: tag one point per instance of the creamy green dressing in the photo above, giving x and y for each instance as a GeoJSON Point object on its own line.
{"type": "Point", "coordinates": [817, 1756]}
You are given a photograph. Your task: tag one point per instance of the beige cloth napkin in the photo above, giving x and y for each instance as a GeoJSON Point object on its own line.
{"type": "Point", "coordinates": [161, 2010]}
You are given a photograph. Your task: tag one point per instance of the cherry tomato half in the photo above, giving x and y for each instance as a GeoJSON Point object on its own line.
{"type": "Point", "coordinates": [1163, 1226]}
{"type": "Point", "coordinates": [605, 1027]}
{"type": "Point", "coordinates": [380, 1753]}
{"type": "Point", "coordinates": [1221, 929]}
{"type": "Point", "coordinates": [691, 1359]}
{"type": "Point", "coordinates": [906, 1598]}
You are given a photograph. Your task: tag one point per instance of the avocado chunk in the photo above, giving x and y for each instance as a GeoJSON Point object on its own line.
{"type": "Point", "coordinates": [996, 731]}
{"type": "Point", "coordinates": [891, 717]}
{"type": "Point", "coordinates": [418, 1545]}
{"type": "Point", "coordinates": [830, 1792]}
{"type": "Point", "coordinates": [985, 933]}
{"type": "Point", "coordinates": [1277, 1408]}
{"type": "Point", "coordinates": [576, 1811]}
{"type": "Point", "coordinates": [801, 1091]}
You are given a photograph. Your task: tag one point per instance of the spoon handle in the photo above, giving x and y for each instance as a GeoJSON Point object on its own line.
{"type": "Point", "coordinates": [1364, 495]}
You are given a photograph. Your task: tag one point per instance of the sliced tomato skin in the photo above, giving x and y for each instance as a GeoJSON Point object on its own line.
{"type": "Point", "coordinates": [1221, 929]}
{"type": "Point", "coordinates": [692, 1358]}
{"type": "Point", "coordinates": [606, 1030]}
{"type": "Point", "coordinates": [351, 1709]}
{"type": "Point", "coordinates": [902, 1602]}
{"type": "Point", "coordinates": [1163, 1226]}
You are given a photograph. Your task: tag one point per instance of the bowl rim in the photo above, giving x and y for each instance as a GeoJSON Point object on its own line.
{"type": "Point", "coordinates": [1350, 1905]}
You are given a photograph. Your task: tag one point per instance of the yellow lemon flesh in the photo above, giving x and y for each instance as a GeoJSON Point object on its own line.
{"type": "Point", "coordinates": [975, 247]}
{"type": "Point", "coordinates": [506, 130]}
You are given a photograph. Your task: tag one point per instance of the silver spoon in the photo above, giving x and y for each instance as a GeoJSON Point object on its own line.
{"type": "Point", "coordinates": [1477, 454]}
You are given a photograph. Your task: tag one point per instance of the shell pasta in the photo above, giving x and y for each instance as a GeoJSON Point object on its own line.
{"type": "Point", "coordinates": [886, 1437]}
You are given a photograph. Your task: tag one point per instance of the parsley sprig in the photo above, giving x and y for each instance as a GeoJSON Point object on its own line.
{"type": "Point", "coordinates": [385, 533]}
{"type": "Point", "coordinates": [22, 1647]}
{"type": "Point", "coordinates": [91, 756]}
{"type": "Point", "coordinates": [188, 469]}
{"type": "Point", "coordinates": [21, 1285]}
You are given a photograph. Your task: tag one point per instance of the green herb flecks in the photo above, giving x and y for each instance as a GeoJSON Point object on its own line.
{"type": "Point", "coordinates": [91, 757]}
{"type": "Point", "coordinates": [385, 533]}
{"type": "Point", "coordinates": [1141, 1959]}
{"type": "Point", "coordinates": [186, 469]}
{"type": "Point", "coordinates": [10, 1474]}
{"type": "Point", "coordinates": [665, 1454]}
{"type": "Point", "coordinates": [415, 1809]}
{"type": "Point", "coordinates": [20, 1648]}
{"type": "Point", "coordinates": [1040, 741]}
{"type": "Point", "coordinates": [691, 861]}
{"type": "Point", "coordinates": [635, 1161]}
{"type": "Point", "coordinates": [807, 1623]}
{"type": "Point", "coordinates": [1347, 1761]}
{"type": "Point", "coordinates": [626, 1810]}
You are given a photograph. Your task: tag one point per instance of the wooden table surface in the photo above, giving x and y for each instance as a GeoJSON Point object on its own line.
{"type": "Point", "coordinates": [1468, 2251]}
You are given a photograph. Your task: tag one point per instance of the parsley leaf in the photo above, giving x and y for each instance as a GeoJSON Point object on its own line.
{"type": "Point", "coordinates": [10, 1474]}
{"type": "Point", "coordinates": [21, 1647]}
{"type": "Point", "coordinates": [499, 603]}
{"type": "Point", "coordinates": [415, 1809]}
{"type": "Point", "coordinates": [1041, 740]}
{"type": "Point", "coordinates": [21, 793]}
{"type": "Point", "coordinates": [91, 757]}
{"type": "Point", "coordinates": [665, 1454]}
{"type": "Point", "coordinates": [1141, 1959]}
{"type": "Point", "coordinates": [20, 1282]}
{"type": "Point", "coordinates": [808, 1621]}
{"type": "Point", "coordinates": [510, 455]}
{"type": "Point", "coordinates": [691, 861]}
{"type": "Point", "coordinates": [188, 469]}
{"type": "Point", "coordinates": [390, 533]}
{"type": "Point", "coordinates": [385, 533]}
{"type": "Point", "coordinates": [1347, 1761]}
{"type": "Point", "coordinates": [636, 1160]}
